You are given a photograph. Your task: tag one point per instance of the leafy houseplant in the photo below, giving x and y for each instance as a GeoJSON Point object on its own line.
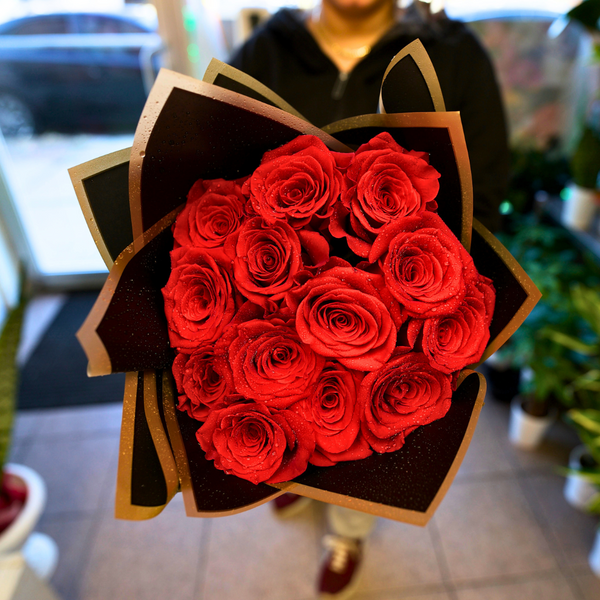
{"type": "Point", "coordinates": [546, 252]}
{"type": "Point", "coordinates": [583, 343]}
{"type": "Point", "coordinates": [12, 492]}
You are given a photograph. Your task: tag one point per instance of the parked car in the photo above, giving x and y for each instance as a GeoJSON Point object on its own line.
{"type": "Point", "coordinates": [74, 72]}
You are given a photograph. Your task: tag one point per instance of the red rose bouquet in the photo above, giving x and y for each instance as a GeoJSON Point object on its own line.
{"type": "Point", "coordinates": [296, 309]}
{"type": "Point", "coordinates": [291, 354]}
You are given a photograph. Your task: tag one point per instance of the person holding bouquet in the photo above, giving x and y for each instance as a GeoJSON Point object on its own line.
{"type": "Point", "coordinates": [329, 64]}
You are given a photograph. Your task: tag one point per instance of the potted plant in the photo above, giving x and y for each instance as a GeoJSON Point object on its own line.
{"type": "Point", "coordinates": [555, 266]}
{"type": "Point", "coordinates": [22, 490]}
{"type": "Point", "coordinates": [587, 424]}
{"type": "Point", "coordinates": [582, 200]}
{"type": "Point", "coordinates": [582, 390]}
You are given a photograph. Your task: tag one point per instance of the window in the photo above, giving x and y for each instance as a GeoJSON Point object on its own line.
{"type": "Point", "coordinates": [47, 25]}
{"type": "Point", "coordinates": [102, 24]}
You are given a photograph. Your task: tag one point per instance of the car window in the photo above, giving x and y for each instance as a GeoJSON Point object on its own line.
{"type": "Point", "coordinates": [102, 24]}
{"type": "Point", "coordinates": [47, 25]}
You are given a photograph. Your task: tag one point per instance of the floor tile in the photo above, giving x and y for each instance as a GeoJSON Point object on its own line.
{"type": "Point", "coordinates": [486, 454]}
{"type": "Point", "coordinates": [397, 595]}
{"type": "Point", "coordinates": [27, 423]}
{"type": "Point", "coordinates": [39, 314]}
{"type": "Point", "coordinates": [255, 556]}
{"type": "Point", "coordinates": [554, 587]}
{"type": "Point", "coordinates": [398, 555]}
{"type": "Point", "coordinates": [82, 420]}
{"type": "Point", "coordinates": [73, 535]}
{"type": "Point", "coordinates": [572, 529]}
{"type": "Point", "coordinates": [588, 583]}
{"type": "Point", "coordinates": [487, 529]}
{"type": "Point", "coordinates": [76, 472]}
{"type": "Point", "coordinates": [145, 560]}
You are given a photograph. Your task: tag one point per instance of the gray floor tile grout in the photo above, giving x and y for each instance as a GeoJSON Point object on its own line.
{"type": "Point", "coordinates": [500, 580]}
{"type": "Point", "coordinates": [442, 561]}
{"type": "Point", "coordinates": [201, 573]}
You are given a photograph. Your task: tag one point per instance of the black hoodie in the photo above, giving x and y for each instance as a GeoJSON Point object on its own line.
{"type": "Point", "coordinates": [283, 55]}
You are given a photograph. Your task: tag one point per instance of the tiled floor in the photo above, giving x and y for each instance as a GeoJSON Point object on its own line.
{"type": "Point", "coordinates": [503, 531]}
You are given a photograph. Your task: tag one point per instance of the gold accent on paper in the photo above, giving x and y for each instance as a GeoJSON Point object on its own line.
{"type": "Point", "coordinates": [533, 294]}
{"type": "Point", "coordinates": [97, 355]}
{"type": "Point", "coordinates": [163, 86]}
{"type": "Point", "coordinates": [442, 120]}
{"type": "Point", "coordinates": [159, 435]}
{"type": "Point", "coordinates": [84, 171]}
{"type": "Point", "coordinates": [418, 53]}
{"type": "Point", "coordinates": [124, 509]}
{"type": "Point", "coordinates": [216, 68]}
{"type": "Point", "coordinates": [183, 467]}
{"type": "Point", "coordinates": [404, 515]}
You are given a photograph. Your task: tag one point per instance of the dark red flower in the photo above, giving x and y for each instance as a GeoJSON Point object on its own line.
{"type": "Point", "coordinates": [257, 443]}
{"type": "Point", "coordinates": [401, 396]}
{"type": "Point", "coordinates": [297, 182]}
{"type": "Point", "coordinates": [348, 315]}
{"type": "Point", "coordinates": [459, 339]}
{"type": "Point", "coordinates": [384, 182]}
{"type": "Point", "coordinates": [200, 387]}
{"type": "Point", "coordinates": [199, 298]}
{"type": "Point", "coordinates": [333, 411]}
{"type": "Point", "coordinates": [425, 266]}
{"type": "Point", "coordinates": [213, 211]}
{"type": "Point", "coordinates": [265, 359]}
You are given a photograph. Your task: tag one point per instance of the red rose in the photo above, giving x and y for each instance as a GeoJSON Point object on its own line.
{"type": "Point", "coordinates": [200, 387]}
{"type": "Point", "coordinates": [425, 266]}
{"type": "Point", "coordinates": [199, 300]}
{"type": "Point", "coordinates": [265, 360]}
{"type": "Point", "coordinates": [334, 413]}
{"type": "Point", "coordinates": [256, 443]}
{"type": "Point", "coordinates": [297, 181]}
{"type": "Point", "coordinates": [384, 182]}
{"type": "Point", "coordinates": [213, 211]}
{"type": "Point", "coordinates": [401, 396]}
{"type": "Point", "coordinates": [267, 258]}
{"type": "Point", "coordinates": [459, 339]}
{"type": "Point", "coordinates": [347, 314]}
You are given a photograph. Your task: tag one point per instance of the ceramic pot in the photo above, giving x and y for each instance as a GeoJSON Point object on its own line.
{"type": "Point", "coordinates": [40, 551]}
{"type": "Point", "coordinates": [578, 491]}
{"type": "Point", "coordinates": [524, 430]}
{"type": "Point", "coordinates": [580, 208]}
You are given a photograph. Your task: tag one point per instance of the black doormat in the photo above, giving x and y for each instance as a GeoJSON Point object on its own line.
{"type": "Point", "coordinates": [56, 372]}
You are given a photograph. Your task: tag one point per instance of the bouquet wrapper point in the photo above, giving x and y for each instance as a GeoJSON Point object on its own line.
{"type": "Point", "coordinates": [220, 128]}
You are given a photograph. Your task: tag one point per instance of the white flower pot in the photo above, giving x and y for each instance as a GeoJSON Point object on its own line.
{"type": "Point", "coordinates": [40, 551]}
{"type": "Point", "coordinates": [580, 208]}
{"type": "Point", "coordinates": [594, 558]}
{"type": "Point", "coordinates": [578, 491]}
{"type": "Point", "coordinates": [525, 431]}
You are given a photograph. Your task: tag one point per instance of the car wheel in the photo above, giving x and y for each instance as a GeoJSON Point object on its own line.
{"type": "Point", "coordinates": [16, 119]}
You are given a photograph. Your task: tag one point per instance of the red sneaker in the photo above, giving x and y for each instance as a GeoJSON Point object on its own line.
{"type": "Point", "coordinates": [339, 572]}
{"type": "Point", "coordinates": [288, 505]}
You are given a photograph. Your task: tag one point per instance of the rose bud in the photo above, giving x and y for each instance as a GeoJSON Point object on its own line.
{"type": "Point", "coordinates": [257, 443]}
{"type": "Point", "coordinates": [401, 396]}
{"type": "Point", "coordinates": [200, 387]}
{"type": "Point", "coordinates": [459, 339]}
{"type": "Point", "coordinates": [199, 298]}
{"type": "Point", "coordinates": [348, 315]}
{"type": "Point", "coordinates": [265, 359]}
{"type": "Point", "coordinates": [333, 412]}
{"type": "Point", "coordinates": [213, 211]}
{"type": "Point", "coordinates": [296, 182]}
{"type": "Point", "coordinates": [425, 266]}
{"type": "Point", "coordinates": [384, 183]}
